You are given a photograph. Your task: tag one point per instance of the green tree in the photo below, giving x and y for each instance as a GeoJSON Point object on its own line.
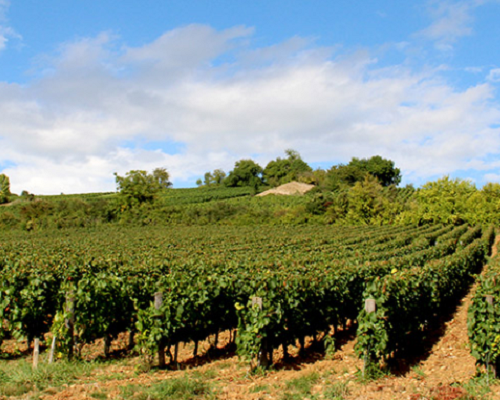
{"type": "Point", "coordinates": [138, 187]}
{"type": "Point", "coordinates": [245, 173]}
{"type": "Point", "coordinates": [162, 176]}
{"type": "Point", "coordinates": [443, 201]}
{"type": "Point", "coordinates": [342, 176]}
{"type": "Point", "coordinates": [215, 178]}
{"type": "Point", "coordinates": [4, 188]}
{"type": "Point", "coordinates": [292, 168]}
{"type": "Point", "coordinates": [384, 170]}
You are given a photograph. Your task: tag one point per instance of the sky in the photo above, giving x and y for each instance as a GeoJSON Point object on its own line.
{"type": "Point", "coordinates": [90, 88]}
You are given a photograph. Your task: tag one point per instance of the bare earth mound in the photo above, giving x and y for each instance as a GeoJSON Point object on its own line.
{"type": "Point", "coordinates": [289, 189]}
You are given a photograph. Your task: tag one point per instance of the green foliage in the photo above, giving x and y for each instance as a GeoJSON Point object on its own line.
{"type": "Point", "coordinates": [245, 173]}
{"type": "Point", "coordinates": [286, 170]}
{"type": "Point", "coordinates": [4, 188]}
{"type": "Point", "coordinates": [215, 178]}
{"type": "Point", "coordinates": [161, 176]}
{"type": "Point", "coordinates": [182, 388]}
{"type": "Point", "coordinates": [300, 388]}
{"type": "Point", "coordinates": [20, 378]}
{"type": "Point", "coordinates": [309, 279]}
{"type": "Point", "coordinates": [408, 300]}
{"type": "Point", "coordinates": [382, 169]}
{"type": "Point", "coordinates": [341, 176]}
{"type": "Point", "coordinates": [138, 187]}
{"type": "Point", "coordinates": [445, 201]}
{"type": "Point", "coordinates": [336, 391]}
{"type": "Point", "coordinates": [484, 318]}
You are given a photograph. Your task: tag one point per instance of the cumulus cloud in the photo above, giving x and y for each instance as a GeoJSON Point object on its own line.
{"type": "Point", "coordinates": [196, 99]}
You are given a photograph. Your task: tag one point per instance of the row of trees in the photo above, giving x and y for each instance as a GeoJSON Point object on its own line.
{"type": "Point", "coordinates": [293, 168]}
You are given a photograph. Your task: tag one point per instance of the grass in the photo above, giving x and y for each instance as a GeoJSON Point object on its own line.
{"type": "Point", "coordinates": [20, 378]}
{"type": "Point", "coordinates": [184, 388]}
{"type": "Point", "coordinates": [259, 388]}
{"type": "Point", "coordinates": [299, 388]}
{"type": "Point", "coordinates": [336, 391]}
{"type": "Point", "coordinates": [418, 371]}
{"type": "Point", "coordinates": [479, 387]}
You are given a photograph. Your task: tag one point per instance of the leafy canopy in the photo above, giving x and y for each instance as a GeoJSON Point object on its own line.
{"type": "Point", "coordinates": [245, 173]}
{"type": "Point", "coordinates": [342, 176]}
{"type": "Point", "coordinates": [138, 187]}
{"type": "Point", "coordinates": [4, 188]}
{"type": "Point", "coordinates": [289, 169]}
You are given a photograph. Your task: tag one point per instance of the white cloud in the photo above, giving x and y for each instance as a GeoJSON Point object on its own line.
{"type": "Point", "coordinates": [495, 178]}
{"type": "Point", "coordinates": [6, 32]}
{"type": "Point", "coordinates": [105, 108]}
{"type": "Point", "coordinates": [494, 75]}
{"type": "Point", "coordinates": [451, 21]}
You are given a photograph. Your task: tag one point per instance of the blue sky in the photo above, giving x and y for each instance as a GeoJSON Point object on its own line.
{"type": "Point", "coordinates": [89, 88]}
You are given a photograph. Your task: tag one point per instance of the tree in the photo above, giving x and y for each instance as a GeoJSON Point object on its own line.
{"type": "Point", "coordinates": [215, 178]}
{"type": "Point", "coordinates": [446, 201]}
{"type": "Point", "coordinates": [384, 170]}
{"type": "Point", "coordinates": [218, 177]}
{"type": "Point", "coordinates": [4, 188]}
{"type": "Point", "coordinates": [138, 187]}
{"type": "Point", "coordinates": [343, 176]}
{"type": "Point", "coordinates": [280, 171]}
{"type": "Point", "coordinates": [162, 177]}
{"type": "Point", "coordinates": [245, 173]}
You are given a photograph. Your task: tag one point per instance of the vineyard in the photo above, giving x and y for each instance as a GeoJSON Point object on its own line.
{"type": "Point", "coordinates": [270, 287]}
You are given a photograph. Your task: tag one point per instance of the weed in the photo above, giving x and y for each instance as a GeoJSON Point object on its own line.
{"type": "Point", "coordinates": [184, 388]}
{"type": "Point", "coordinates": [259, 388]}
{"type": "Point", "coordinates": [300, 387]}
{"type": "Point", "coordinates": [337, 391]}
{"type": "Point", "coordinates": [478, 387]}
{"type": "Point", "coordinates": [99, 395]}
{"type": "Point", "coordinates": [19, 378]}
{"type": "Point", "coordinates": [371, 372]}
{"type": "Point", "coordinates": [418, 371]}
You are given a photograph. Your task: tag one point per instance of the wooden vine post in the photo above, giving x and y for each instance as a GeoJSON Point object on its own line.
{"type": "Point", "coordinates": [161, 344]}
{"type": "Point", "coordinates": [262, 358]}
{"type": "Point", "coordinates": [70, 320]}
{"type": "Point", "coordinates": [370, 307]}
{"type": "Point", "coordinates": [52, 350]}
{"type": "Point", "coordinates": [36, 353]}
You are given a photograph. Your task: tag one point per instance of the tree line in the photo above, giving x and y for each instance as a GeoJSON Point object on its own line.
{"type": "Point", "coordinates": [291, 168]}
{"type": "Point", "coordinates": [361, 192]}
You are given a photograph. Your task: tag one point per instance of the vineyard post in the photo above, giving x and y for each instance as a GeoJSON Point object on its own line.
{"type": "Point", "coordinates": [161, 345]}
{"type": "Point", "coordinates": [52, 349]}
{"type": "Point", "coordinates": [370, 307]}
{"type": "Point", "coordinates": [262, 359]}
{"type": "Point", "coordinates": [130, 346]}
{"type": "Point", "coordinates": [70, 321]}
{"type": "Point", "coordinates": [36, 353]}
{"type": "Point", "coordinates": [107, 344]}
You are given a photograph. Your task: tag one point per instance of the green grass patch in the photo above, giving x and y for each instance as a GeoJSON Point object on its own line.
{"type": "Point", "coordinates": [18, 378]}
{"type": "Point", "coordinates": [299, 388]}
{"type": "Point", "coordinates": [336, 391]}
{"type": "Point", "coordinates": [184, 388]}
